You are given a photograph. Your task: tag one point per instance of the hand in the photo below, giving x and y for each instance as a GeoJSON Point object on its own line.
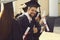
{"type": "Point", "coordinates": [35, 30]}
{"type": "Point", "coordinates": [41, 22]}
{"type": "Point", "coordinates": [42, 29]}
{"type": "Point", "coordinates": [47, 28]}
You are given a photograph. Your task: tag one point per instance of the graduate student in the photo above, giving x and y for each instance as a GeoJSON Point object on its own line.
{"type": "Point", "coordinates": [27, 26]}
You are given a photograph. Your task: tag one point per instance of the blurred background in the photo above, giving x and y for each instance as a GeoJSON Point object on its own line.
{"type": "Point", "coordinates": [51, 8]}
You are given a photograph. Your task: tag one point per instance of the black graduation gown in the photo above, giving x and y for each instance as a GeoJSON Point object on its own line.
{"type": "Point", "coordinates": [24, 24]}
{"type": "Point", "coordinates": [13, 30]}
{"type": "Point", "coordinates": [38, 26]}
{"type": "Point", "coordinates": [9, 29]}
{"type": "Point", "coordinates": [14, 35]}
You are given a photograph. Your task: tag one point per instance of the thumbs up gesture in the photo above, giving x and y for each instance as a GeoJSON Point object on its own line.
{"type": "Point", "coordinates": [35, 30]}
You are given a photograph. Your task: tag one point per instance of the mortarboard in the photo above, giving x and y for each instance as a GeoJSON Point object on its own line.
{"type": "Point", "coordinates": [32, 3]}
{"type": "Point", "coordinates": [25, 8]}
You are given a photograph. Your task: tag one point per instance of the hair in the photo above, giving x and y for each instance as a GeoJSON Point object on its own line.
{"type": "Point", "coordinates": [25, 9]}
{"type": "Point", "coordinates": [6, 20]}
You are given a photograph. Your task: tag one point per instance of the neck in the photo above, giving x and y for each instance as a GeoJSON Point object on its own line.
{"type": "Point", "coordinates": [29, 14]}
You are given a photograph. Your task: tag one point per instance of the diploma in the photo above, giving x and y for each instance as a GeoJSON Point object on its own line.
{"type": "Point", "coordinates": [26, 32]}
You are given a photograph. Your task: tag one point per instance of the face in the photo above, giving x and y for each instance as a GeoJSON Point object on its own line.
{"type": "Point", "coordinates": [32, 11]}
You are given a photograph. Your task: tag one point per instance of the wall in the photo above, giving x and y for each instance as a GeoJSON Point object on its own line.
{"type": "Point", "coordinates": [59, 9]}
{"type": "Point", "coordinates": [1, 9]}
{"type": "Point", "coordinates": [53, 8]}
{"type": "Point", "coordinates": [18, 6]}
{"type": "Point", "coordinates": [44, 6]}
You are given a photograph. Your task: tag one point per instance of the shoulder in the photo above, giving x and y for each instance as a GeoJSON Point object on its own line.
{"type": "Point", "coordinates": [22, 19]}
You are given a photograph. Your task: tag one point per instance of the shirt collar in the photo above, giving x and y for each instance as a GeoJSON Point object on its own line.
{"type": "Point", "coordinates": [29, 18]}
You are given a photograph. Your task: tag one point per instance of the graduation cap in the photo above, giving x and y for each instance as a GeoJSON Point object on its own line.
{"type": "Point", "coordinates": [25, 8]}
{"type": "Point", "coordinates": [32, 3]}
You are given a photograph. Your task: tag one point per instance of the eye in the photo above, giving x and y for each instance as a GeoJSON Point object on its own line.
{"type": "Point", "coordinates": [33, 10]}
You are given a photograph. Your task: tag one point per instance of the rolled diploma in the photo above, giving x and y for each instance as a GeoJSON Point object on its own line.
{"type": "Point", "coordinates": [26, 32]}
{"type": "Point", "coordinates": [44, 20]}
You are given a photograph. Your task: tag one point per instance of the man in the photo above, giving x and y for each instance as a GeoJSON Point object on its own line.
{"type": "Point", "coordinates": [26, 21]}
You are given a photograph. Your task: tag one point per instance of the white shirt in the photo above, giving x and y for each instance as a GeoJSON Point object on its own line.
{"type": "Point", "coordinates": [29, 18]}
